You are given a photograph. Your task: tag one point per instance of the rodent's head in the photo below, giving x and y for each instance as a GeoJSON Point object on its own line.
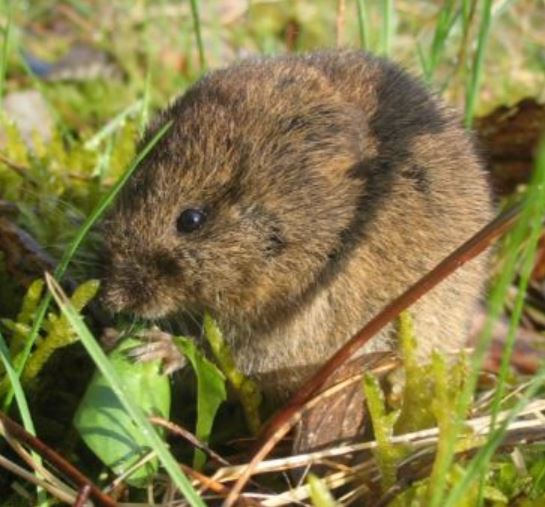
{"type": "Point", "coordinates": [242, 204]}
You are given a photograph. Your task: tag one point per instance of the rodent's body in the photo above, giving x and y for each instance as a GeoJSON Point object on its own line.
{"type": "Point", "coordinates": [330, 183]}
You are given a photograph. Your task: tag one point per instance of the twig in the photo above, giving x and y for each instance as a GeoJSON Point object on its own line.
{"type": "Point", "coordinates": [283, 421]}
{"type": "Point", "coordinates": [83, 496]}
{"type": "Point", "coordinates": [416, 440]}
{"type": "Point", "coordinates": [214, 486]}
{"type": "Point", "coordinates": [523, 431]}
{"type": "Point", "coordinates": [56, 460]}
{"type": "Point", "coordinates": [21, 472]}
{"type": "Point", "coordinates": [205, 481]}
{"type": "Point", "coordinates": [187, 435]}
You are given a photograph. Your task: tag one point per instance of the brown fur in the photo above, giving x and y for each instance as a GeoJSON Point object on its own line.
{"type": "Point", "coordinates": [331, 182]}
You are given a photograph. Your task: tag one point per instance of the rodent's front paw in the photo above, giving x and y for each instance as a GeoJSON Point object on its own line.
{"type": "Point", "coordinates": [160, 345]}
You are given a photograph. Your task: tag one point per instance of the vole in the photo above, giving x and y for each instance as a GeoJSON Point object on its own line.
{"type": "Point", "coordinates": [292, 198]}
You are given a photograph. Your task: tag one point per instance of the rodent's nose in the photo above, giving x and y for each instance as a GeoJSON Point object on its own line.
{"type": "Point", "coordinates": [112, 299]}
{"type": "Point", "coordinates": [130, 291]}
{"type": "Point", "coordinates": [119, 287]}
{"type": "Point", "coordinates": [132, 281]}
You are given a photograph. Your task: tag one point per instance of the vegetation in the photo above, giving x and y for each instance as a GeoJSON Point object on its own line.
{"type": "Point", "coordinates": [454, 436]}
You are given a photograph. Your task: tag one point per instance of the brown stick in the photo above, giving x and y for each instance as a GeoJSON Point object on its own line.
{"type": "Point", "coordinates": [205, 481]}
{"type": "Point", "coordinates": [283, 420]}
{"type": "Point", "coordinates": [83, 496]}
{"type": "Point", "coordinates": [178, 430]}
{"type": "Point", "coordinates": [57, 461]}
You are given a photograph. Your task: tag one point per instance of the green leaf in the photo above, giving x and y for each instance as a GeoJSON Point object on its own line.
{"type": "Point", "coordinates": [210, 392]}
{"type": "Point", "coordinates": [147, 430]}
{"type": "Point", "coordinates": [107, 428]}
{"type": "Point", "coordinates": [246, 389]}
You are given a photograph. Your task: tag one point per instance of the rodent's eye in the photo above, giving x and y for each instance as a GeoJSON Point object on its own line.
{"type": "Point", "coordinates": [190, 220]}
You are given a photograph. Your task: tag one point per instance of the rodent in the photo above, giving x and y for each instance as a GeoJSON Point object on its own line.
{"type": "Point", "coordinates": [292, 198]}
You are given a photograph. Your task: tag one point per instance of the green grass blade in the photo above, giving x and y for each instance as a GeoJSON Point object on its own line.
{"type": "Point", "coordinates": [113, 125]}
{"type": "Point", "coordinates": [532, 217]}
{"type": "Point", "coordinates": [495, 307]}
{"type": "Point", "coordinates": [20, 397]}
{"type": "Point", "coordinates": [445, 22]}
{"type": "Point", "coordinates": [73, 247]}
{"type": "Point", "coordinates": [472, 87]}
{"type": "Point", "coordinates": [103, 364]}
{"type": "Point", "coordinates": [105, 202]}
{"type": "Point", "coordinates": [424, 63]}
{"type": "Point", "coordinates": [22, 405]}
{"type": "Point", "coordinates": [388, 27]}
{"type": "Point", "coordinates": [482, 458]}
{"type": "Point", "coordinates": [466, 6]}
{"type": "Point", "coordinates": [496, 304]}
{"type": "Point", "coordinates": [198, 34]}
{"type": "Point", "coordinates": [363, 24]}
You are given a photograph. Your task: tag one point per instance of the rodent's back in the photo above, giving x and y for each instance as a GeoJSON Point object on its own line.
{"type": "Point", "coordinates": [424, 192]}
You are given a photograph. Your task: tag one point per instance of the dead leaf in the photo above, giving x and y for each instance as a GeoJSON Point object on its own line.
{"type": "Point", "coordinates": [509, 137]}
{"type": "Point", "coordinates": [337, 414]}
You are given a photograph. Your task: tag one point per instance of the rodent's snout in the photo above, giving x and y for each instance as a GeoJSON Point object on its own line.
{"type": "Point", "coordinates": [112, 299]}
{"type": "Point", "coordinates": [113, 294]}
{"type": "Point", "coordinates": [135, 299]}
{"type": "Point", "coordinates": [136, 283]}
